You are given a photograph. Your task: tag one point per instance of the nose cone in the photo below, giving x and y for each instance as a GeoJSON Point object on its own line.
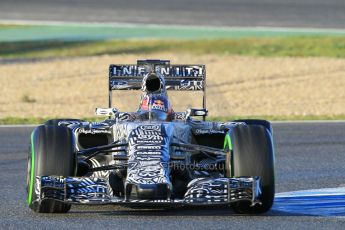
{"type": "Point", "coordinates": [153, 83]}
{"type": "Point", "coordinates": [148, 172]}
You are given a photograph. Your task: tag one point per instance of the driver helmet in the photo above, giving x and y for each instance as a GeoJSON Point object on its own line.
{"type": "Point", "coordinates": [158, 104]}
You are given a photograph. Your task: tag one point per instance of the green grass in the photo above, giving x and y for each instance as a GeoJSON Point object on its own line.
{"type": "Point", "coordinates": [9, 26]}
{"type": "Point", "coordinates": [310, 46]}
{"type": "Point", "coordinates": [19, 121]}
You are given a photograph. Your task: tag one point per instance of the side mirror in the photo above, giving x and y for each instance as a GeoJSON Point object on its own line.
{"type": "Point", "coordinates": [196, 112]}
{"type": "Point", "coordinates": [106, 111]}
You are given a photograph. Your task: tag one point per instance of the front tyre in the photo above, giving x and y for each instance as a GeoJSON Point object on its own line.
{"type": "Point", "coordinates": [253, 155]}
{"type": "Point", "coordinates": [52, 153]}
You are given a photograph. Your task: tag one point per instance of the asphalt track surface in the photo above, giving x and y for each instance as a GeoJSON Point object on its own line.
{"type": "Point", "coordinates": [246, 13]}
{"type": "Point", "coordinates": [308, 156]}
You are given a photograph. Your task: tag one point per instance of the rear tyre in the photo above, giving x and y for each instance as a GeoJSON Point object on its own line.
{"type": "Point", "coordinates": [253, 155]}
{"type": "Point", "coordinates": [51, 153]}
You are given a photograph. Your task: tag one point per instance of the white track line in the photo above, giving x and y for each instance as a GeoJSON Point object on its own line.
{"type": "Point", "coordinates": [313, 192]}
{"type": "Point", "coordinates": [308, 121]}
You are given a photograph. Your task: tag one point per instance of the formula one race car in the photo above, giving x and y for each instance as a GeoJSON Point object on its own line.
{"type": "Point", "coordinates": [154, 157]}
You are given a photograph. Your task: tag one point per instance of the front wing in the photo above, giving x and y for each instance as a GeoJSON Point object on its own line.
{"type": "Point", "coordinates": [202, 191]}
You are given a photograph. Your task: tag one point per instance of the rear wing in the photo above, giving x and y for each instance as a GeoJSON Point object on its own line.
{"type": "Point", "coordinates": [177, 77]}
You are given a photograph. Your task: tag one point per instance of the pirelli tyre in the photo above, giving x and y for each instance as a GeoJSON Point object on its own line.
{"type": "Point", "coordinates": [252, 154]}
{"type": "Point", "coordinates": [51, 153]}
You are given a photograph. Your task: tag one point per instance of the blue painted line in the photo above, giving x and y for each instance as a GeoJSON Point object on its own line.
{"type": "Point", "coordinates": [319, 202]}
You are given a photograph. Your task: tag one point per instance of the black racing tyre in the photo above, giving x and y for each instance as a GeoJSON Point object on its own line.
{"type": "Point", "coordinates": [51, 153]}
{"type": "Point", "coordinates": [253, 155]}
{"type": "Point", "coordinates": [58, 121]}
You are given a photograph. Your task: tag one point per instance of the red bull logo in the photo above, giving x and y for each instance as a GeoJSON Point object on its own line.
{"type": "Point", "coordinates": [158, 102]}
{"type": "Point", "coordinates": [159, 105]}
